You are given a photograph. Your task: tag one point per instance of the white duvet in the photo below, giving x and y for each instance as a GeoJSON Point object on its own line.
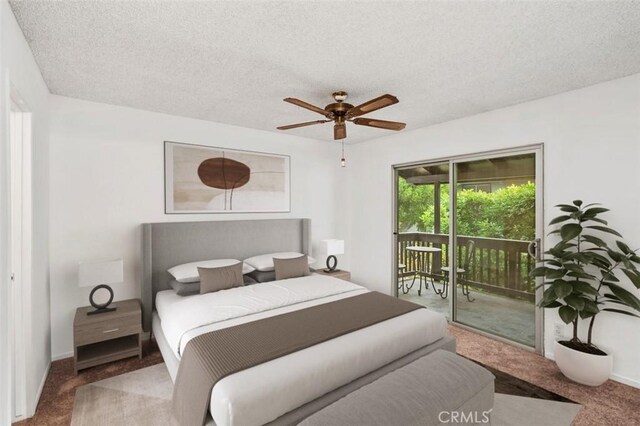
{"type": "Point", "coordinates": [263, 393]}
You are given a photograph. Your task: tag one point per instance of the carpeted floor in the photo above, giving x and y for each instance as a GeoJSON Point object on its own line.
{"type": "Point", "coordinates": [611, 404]}
{"type": "Point", "coordinates": [56, 403]}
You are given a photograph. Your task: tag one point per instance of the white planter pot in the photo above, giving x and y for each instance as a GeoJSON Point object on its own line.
{"type": "Point", "coordinates": [584, 368]}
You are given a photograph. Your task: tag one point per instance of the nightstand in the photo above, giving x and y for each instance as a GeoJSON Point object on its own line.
{"type": "Point", "coordinates": [342, 274]}
{"type": "Point", "coordinates": [107, 337]}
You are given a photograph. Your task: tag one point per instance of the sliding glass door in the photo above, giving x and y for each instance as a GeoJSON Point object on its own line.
{"type": "Point", "coordinates": [467, 236]}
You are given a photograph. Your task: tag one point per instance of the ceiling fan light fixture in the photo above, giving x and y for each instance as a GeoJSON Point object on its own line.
{"type": "Point", "coordinates": [340, 96]}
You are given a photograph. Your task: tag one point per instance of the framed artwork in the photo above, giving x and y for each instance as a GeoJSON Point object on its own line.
{"type": "Point", "coordinates": [205, 179]}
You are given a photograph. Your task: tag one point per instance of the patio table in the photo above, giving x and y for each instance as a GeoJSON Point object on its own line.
{"type": "Point", "coordinates": [422, 252]}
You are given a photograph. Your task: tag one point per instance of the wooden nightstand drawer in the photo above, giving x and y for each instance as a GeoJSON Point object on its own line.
{"type": "Point", "coordinates": [97, 332]}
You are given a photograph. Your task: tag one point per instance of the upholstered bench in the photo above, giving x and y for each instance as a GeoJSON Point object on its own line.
{"type": "Point", "coordinates": [439, 388]}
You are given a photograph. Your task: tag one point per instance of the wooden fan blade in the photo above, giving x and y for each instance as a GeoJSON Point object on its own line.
{"type": "Point", "coordinates": [308, 106]}
{"type": "Point", "coordinates": [381, 124]}
{"type": "Point", "coordinates": [372, 105]}
{"type": "Point", "coordinates": [308, 123]}
{"type": "Point", "coordinates": [339, 131]}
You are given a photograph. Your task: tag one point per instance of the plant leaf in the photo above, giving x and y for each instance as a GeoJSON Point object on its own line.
{"type": "Point", "coordinates": [623, 247]}
{"type": "Point", "coordinates": [573, 267]}
{"type": "Point", "coordinates": [625, 296]}
{"type": "Point", "coordinates": [590, 307]}
{"type": "Point", "coordinates": [597, 219]}
{"type": "Point", "coordinates": [581, 275]}
{"type": "Point", "coordinates": [549, 295]}
{"type": "Point", "coordinates": [538, 272]}
{"type": "Point", "coordinates": [605, 229]}
{"type": "Point", "coordinates": [608, 276]}
{"type": "Point", "coordinates": [562, 289]}
{"type": "Point", "coordinates": [594, 240]}
{"type": "Point", "coordinates": [633, 276]}
{"type": "Point", "coordinates": [555, 273]}
{"type": "Point", "coordinates": [584, 287]}
{"type": "Point", "coordinates": [600, 260]}
{"type": "Point", "coordinates": [567, 314]}
{"type": "Point", "coordinates": [569, 231]}
{"type": "Point", "coordinates": [617, 257]}
{"type": "Point", "coordinates": [560, 219]}
{"type": "Point", "coordinates": [550, 304]}
{"type": "Point", "coordinates": [577, 202]}
{"type": "Point", "coordinates": [593, 212]}
{"type": "Point", "coordinates": [576, 302]}
{"type": "Point", "coordinates": [620, 311]}
{"type": "Point", "coordinates": [568, 208]}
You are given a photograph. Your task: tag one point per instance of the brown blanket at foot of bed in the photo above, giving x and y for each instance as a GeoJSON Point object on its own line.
{"type": "Point", "coordinates": [212, 356]}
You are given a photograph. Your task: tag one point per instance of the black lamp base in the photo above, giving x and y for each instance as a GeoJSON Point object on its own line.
{"type": "Point", "coordinates": [332, 262]}
{"type": "Point", "coordinates": [101, 308]}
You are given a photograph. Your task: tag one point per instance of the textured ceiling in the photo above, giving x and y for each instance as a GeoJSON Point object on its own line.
{"type": "Point", "coordinates": [233, 62]}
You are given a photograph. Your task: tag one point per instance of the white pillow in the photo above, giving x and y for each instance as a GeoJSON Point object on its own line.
{"type": "Point", "coordinates": [264, 262]}
{"type": "Point", "coordinates": [188, 272]}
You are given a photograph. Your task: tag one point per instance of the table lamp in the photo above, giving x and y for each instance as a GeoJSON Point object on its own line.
{"type": "Point", "coordinates": [331, 248]}
{"type": "Point", "coordinates": [99, 274]}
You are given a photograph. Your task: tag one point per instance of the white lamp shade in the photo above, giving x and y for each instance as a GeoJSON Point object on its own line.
{"type": "Point", "coordinates": [95, 273]}
{"type": "Point", "coordinates": [333, 247]}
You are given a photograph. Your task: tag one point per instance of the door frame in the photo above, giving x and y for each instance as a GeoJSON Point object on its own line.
{"type": "Point", "coordinates": [19, 240]}
{"type": "Point", "coordinates": [538, 150]}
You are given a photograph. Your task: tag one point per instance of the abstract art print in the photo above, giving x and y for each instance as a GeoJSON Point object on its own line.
{"type": "Point", "coordinates": [204, 179]}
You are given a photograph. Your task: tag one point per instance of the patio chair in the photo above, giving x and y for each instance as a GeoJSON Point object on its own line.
{"type": "Point", "coordinates": [462, 274]}
{"type": "Point", "coordinates": [401, 285]}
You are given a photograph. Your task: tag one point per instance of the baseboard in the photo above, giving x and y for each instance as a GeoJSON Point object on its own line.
{"type": "Point", "coordinates": [625, 380]}
{"type": "Point", "coordinates": [62, 356]}
{"type": "Point", "coordinates": [33, 409]}
{"type": "Point", "coordinates": [19, 419]}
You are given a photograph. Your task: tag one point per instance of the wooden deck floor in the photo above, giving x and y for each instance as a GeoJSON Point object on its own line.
{"type": "Point", "coordinates": [510, 318]}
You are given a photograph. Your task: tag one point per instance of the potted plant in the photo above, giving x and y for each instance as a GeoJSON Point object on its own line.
{"type": "Point", "coordinates": [582, 278]}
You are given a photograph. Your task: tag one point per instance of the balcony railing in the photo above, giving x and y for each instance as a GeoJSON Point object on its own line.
{"type": "Point", "coordinates": [499, 266]}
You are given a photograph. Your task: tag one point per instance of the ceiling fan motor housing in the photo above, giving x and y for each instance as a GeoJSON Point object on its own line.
{"type": "Point", "coordinates": [339, 109]}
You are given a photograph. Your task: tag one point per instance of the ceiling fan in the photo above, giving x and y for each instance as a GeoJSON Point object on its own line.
{"type": "Point", "coordinates": [340, 112]}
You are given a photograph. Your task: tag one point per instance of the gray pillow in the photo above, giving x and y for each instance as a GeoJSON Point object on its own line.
{"type": "Point", "coordinates": [185, 289]}
{"type": "Point", "coordinates": [291, 268]}
{"type": "Point", "coordinates": [189, 289]}
{"type": "Point", "coordinates": [248, 280]}
{"type": "Point", "coordinates": [222, 278]}
{"type": "Point", "coordinates": [263, 276]}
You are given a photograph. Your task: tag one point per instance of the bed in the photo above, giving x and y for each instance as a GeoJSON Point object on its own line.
{"type": "Point", "coordinates": [287, 389]}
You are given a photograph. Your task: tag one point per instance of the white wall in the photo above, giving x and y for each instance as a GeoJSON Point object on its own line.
{"type": "Point", "coordinates": [591, 142]}
{"type": "Point", "coordinates": [20, 69]}
{"type": "Point", "coordinates": [107, 178]}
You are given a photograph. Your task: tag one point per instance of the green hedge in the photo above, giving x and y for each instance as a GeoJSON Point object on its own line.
{"type": "Point", "coordinates": [508, 212]}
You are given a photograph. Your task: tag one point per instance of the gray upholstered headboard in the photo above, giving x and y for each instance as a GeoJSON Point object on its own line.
{"type": "Point", "coordinates": [173, 243]}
